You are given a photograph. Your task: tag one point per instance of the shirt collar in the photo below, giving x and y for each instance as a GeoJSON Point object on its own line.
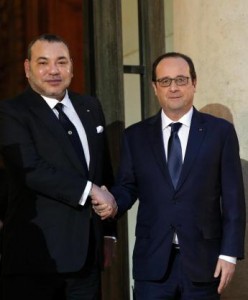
{"type": "Point", "coordinates": [52, 101]}
{"type": "Point", "coordinates": [185, 119]}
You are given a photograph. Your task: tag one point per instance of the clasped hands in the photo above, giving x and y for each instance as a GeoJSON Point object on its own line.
{"type": "Point", "coordinates": [103, 202]}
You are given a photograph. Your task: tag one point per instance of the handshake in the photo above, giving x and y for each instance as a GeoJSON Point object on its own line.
{"type": "Point", "coordinates": [103, 202]}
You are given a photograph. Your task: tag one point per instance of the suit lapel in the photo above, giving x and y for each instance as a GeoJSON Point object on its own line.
{"type": "Point", "coordinates": [156, 140]}
{"type": "Point", "coordinates": [44, 113]}
{"type": "Point", "coordinates": [84, 114]}
{"type": "Point", "coordinates": [197, 133]}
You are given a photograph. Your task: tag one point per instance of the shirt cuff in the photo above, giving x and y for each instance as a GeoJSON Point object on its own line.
{"type": "Point", "coordinates": [85, 193]}
{"type": "Point", "coordinates": [230, 259]}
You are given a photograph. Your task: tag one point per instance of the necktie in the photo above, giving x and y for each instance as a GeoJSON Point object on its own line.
{"type": "Point", "coordinates": [72, 134]}
{"type": "Point", "coordinates": [174, 153]}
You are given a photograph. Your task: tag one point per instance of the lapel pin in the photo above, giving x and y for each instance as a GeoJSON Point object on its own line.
{"type": "Point", "coordinates": [88, 110]}
{"type": "Point", "coordinates": [200, 129]}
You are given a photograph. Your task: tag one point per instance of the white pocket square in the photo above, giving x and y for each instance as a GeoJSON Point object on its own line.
{"type": "Point", "coordinates": [99, 129]}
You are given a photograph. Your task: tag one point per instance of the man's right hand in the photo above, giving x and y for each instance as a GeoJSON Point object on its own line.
{"type": "Point", "coordinates": [103, 202]}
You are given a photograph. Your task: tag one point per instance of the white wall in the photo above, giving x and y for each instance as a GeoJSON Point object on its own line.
{"type": "Point", "coordinates": [215, 35]}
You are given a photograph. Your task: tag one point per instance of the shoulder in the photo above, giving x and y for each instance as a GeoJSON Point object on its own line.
{"type": "Point", "coordinates": [212, 119]}
{"type": "Point", "coordinates": [144, 129]}
{"type": "Point", "coordinates": [144, 124]}
{"type": "Point", "coordinates": [12, 104]}
{"type": "Point", "coordinates": [217, 128]}
{"type": "Point", "coordinates": [89, 104]}
{"type": "Point", "coordinates": [22, 100]}
{"type": "Point", "coordinates": [86, 100]}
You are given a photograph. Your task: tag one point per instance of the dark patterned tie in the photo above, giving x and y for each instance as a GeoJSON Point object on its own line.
{"type": "Point", "coordinates": [174, 153]}
{"type": "Point", "coordinates": [72, 134]}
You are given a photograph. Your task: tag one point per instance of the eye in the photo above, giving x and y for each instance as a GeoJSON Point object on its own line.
{"type": "Point", "coordinates": [180, 80]}
{"type": "Point", "coordinates": [63, 62]}
{"type": "Point", "coordinates": [165, 81]}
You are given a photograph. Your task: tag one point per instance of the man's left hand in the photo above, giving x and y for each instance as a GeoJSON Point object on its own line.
{"type": "Point", "coordinates": [225, 270]}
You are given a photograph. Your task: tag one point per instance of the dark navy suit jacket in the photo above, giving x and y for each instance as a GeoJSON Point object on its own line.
{"type": "Point", "coordinates": [45, 228]}
{"type": "Point", "coordinates": [206, 210]}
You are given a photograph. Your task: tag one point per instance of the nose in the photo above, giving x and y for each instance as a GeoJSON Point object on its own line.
{"type": "Point", "coordinates": [53, 68]}
{"type": "Point", "coordinates": [173, 86]}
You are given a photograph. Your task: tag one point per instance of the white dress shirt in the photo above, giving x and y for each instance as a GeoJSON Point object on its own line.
{"type": "Point", "coordinates": [183, 134]}
{"type": "Point", "coordinates": [74, 118]}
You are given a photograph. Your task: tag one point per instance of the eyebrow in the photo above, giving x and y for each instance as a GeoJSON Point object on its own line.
{"type": "Point", "coordinates": [47, 58]}
{"type": "Point", "coordinates": [168, 77]}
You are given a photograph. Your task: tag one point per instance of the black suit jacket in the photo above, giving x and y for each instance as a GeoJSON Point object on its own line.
{"type": "Point", "coordinates": [206, 210]}
{"type": "Point", "coordinates": [46, 230]}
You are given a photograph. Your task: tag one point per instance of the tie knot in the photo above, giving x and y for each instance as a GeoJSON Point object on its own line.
{"type": "Point", "coordinates": [175, 127]}
{"type": "Point", "coordinates": [59, 107]}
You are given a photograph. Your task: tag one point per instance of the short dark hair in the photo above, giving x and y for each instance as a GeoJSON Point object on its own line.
{"type": "Point", "coordinates": [51, 38]}
{"type": "Point", "coordinates": [174, 54]}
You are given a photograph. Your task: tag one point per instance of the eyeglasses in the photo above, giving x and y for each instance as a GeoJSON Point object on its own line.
{"type": "Point", "coordinates": [179, 81]}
